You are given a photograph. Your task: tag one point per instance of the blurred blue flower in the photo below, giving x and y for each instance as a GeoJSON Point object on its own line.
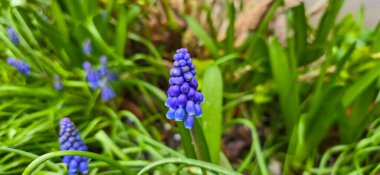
{"type": "Point", "coordinates": [103, 71]}
{"type": "Point", "coordinates": [183, 99]}
{"type": "Point", "coordinates": [13, 35]}
{"type": "Point", "coordinates": [87, 47]}
{"type": "Point", "coordinates": [107, 92]}
{"type": "Point", "coordinates": [92, 75]}
{"type": "Point", "coordinates": [19, 65]}
{"type": "Point", "coordinates": [58, 85]}
{"type": "Point", "coordinates": [70, 139]}
{"type": "Point", "coordinates": [112, 77]}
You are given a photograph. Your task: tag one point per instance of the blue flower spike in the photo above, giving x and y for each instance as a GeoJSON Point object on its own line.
{"type": "Point", "coordinates": [70, 139]}
{"type": "Point", "coordinates": [13, 35]}
{"type": "Point", "coordinates": [19, 65]}
{"type": "Point", "coordinates": [183, 98]}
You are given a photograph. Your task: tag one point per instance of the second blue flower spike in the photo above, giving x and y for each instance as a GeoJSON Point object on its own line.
{"type": "Point", "coordinates": [69, 139]}
{"type": "Point", "coordinates": [183, 98]}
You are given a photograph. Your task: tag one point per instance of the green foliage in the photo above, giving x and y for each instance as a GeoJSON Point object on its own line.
{"type": "Point", "coordinates": [212, 124]}
{"type": "Point", "coordinates": [304, 97]}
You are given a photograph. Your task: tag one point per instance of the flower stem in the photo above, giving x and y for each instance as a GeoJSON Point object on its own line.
{"type": "Point", "coordinates": [197, 148]}
{"type": "Point", "coordinates": [32, 166]}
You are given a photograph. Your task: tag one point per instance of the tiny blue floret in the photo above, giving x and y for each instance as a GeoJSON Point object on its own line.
{"type": "Point", "coordinates": [87, 47]}
{"type": "Point", "coordinates": [107, 92]}
{"type": "Point", "coordinates": [92, 75]}
{"type": "Point", "coordinates": [58, 85]}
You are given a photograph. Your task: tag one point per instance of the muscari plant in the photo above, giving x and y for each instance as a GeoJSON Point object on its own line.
{"type": "Point", "coordinates": [264, 87]}
{"type": "Point", "coordinates": [183, 98]}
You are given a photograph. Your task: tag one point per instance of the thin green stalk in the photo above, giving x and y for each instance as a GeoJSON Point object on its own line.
{"type": "Point", "coordinates": [197, 148]}
{"type": "Point", "coordinates": [256, 148]}
{"type": "Point", "coordinates": [189, 162]}
{"type": "Point", "coordinates": [34, 165]}
{"type": "Point", "coordinates": [30, 155]}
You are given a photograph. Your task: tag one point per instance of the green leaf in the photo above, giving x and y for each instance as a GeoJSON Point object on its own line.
{"type": "Point", "coordinates": [360, 85]}
{"type": "Point", "coordinates": [188, 162]}
{"type": "Point", "coordinates": [121, 30]}
{"type": "Point", "coordinates": [285, 80]}
{"type": "Point", "coordinates": [202, 35]}
{"type": "Point", "coordinates": [212, 110]}
{"type": "Point", "coordinates": [300, 29]}
{"type": "Point", "coordinates": [231, 28]}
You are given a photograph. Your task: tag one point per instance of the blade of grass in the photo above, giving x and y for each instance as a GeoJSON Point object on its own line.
{"type": "Point", "coordinates": [212, 110]}
{"type": "Point", "coordinates": [202, 35]}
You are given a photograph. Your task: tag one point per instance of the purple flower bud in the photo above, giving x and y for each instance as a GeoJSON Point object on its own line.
{"type": "Point", "coordinates": [173, 91]}
{"type": "Point", "coordinates": [187, 56]}
{"type": "Point", "coordinates": [167, 102]}
{"type": "Point", "coordinates": [188, 76]}
{"type": "Point", "coordinates": [173, 103]}
{"type": "Point", "coordinates": [185, 87]}
{"type": "Point", "coordinates": [190, 108]}
{"type": "Point", "coordinates": [189, 122]}
{"type": "Point", "coordinates": [181, 100]}
{"type": "Point", "coordinates": [175, 64]}
{"type": "Point", "coordinates": [194, 83]}
{"type": "Point", "coordinates": [177, 56]}
{"type": "Point", "coordinates": [182, 62]}
{"type": "Point", "coordinates": [185, 69]}
{"type": "Point", "coordinates": [191, 94]}
{"type": "Point", "coordinates": [175, 72]}
{"type": "Point", "coordinates": [170, 114]}
{"type": "Point", "coordinates": [83, 167]}
{"type": "Point", "coordinates": [66, 159]}
{"type": "Point", "coordinates": [180, 80]}
{"type": "Point", "coordinates": [73, 167]}
{"type": "Point", "coordinates": [198, 110]}
{"type": "Point", "coordinates": [179, 114]}
{"type": "Point", "coordinates": [198, 97]}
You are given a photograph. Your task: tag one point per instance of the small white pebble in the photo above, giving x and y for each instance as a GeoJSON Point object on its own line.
{"type": "Point", "coordinates": [167, 126]}
{"type": "Point", "coordinates": [177, 137]}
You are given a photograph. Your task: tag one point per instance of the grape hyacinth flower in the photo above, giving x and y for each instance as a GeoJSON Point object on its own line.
{"type": "Point", "coordinates": [92, 75]}
{"type": "Point", "coordinates": [183, 98]}
{"type": "Point", "coordinates": [87, 47]}
{"type": "Point", "coordinates": [103, 71]}
{"type": "Point", "coordinates": [70, 139]}
{"type": "Point", "coordinates": [13, 35]}
{"type": "Point", "coordinates": [57, 83]}
{"type": "Point", "coordinates": [19, 65]}
{"type": "Point", "coordinates": [107, 92]}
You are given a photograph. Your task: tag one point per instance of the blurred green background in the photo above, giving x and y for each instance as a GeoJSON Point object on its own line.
{"type": "Point", "coordinates": [286, 91]}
